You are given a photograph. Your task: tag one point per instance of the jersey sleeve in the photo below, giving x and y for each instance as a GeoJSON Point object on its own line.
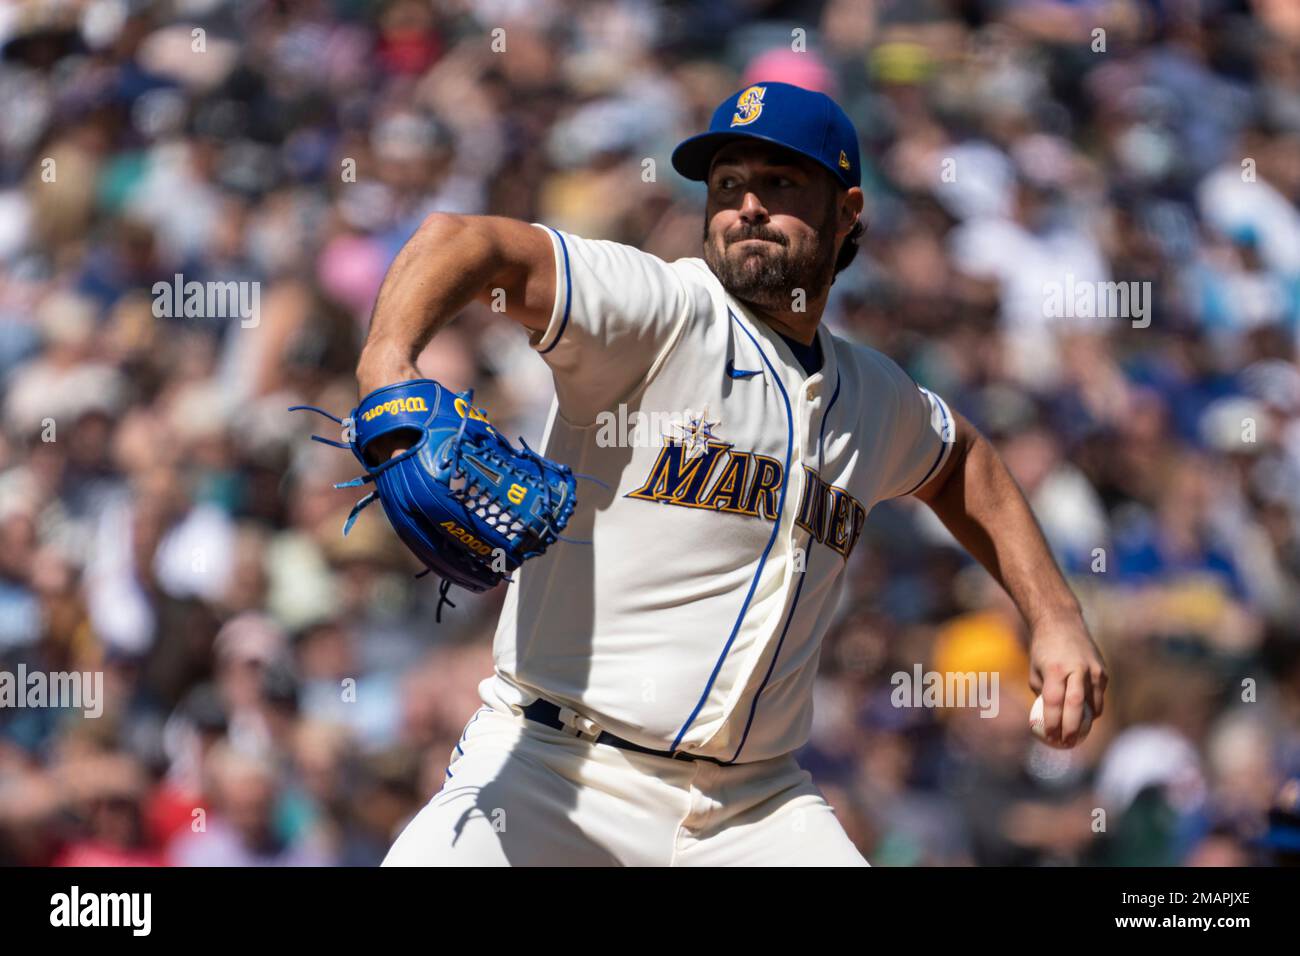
{"type": "Point", "coordinates": [922, 432]}
{"type": "Point", "coordinates": [617, 309]}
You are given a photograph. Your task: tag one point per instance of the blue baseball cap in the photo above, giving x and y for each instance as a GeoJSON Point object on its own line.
{"type": "Point", "coordinates": [810, 123]}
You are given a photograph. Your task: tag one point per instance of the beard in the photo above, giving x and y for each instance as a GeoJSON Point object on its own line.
{"type": "Point", "coordinates": [768, 275]}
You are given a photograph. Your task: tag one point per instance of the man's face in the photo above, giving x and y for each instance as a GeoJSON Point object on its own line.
{"type": "Point", "coordinates": [770, 224]}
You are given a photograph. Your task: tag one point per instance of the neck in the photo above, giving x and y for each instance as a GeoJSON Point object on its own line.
{"type": "Point", "coordinates": [800, 326]}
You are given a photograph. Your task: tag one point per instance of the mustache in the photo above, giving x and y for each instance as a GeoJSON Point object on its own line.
{"type": "Point", "coordinates": [755, 232]}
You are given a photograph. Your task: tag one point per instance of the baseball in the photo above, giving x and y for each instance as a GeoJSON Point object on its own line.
{"type": "Point", "coordinates": [1037, 729]}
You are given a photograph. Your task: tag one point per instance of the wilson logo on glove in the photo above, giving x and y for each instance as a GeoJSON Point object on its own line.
{"type": "Point", "coordinates": [395, 407]}
{"type": "Point", "coordinates": [464, 500]}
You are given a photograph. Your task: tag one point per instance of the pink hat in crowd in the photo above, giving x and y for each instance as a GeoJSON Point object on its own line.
{"type": "Point", "coordinates": [785, 66]}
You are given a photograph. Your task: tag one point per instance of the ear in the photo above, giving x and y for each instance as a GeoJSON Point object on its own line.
{"type": "Point", "coordinates": [850, 207]}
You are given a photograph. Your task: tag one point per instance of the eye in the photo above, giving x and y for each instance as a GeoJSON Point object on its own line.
{"type": "Point", "coordinates": [783, 182]}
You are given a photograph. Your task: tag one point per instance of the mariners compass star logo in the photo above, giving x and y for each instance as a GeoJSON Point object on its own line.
{"type": "Point", "coordinates": [695, 433]}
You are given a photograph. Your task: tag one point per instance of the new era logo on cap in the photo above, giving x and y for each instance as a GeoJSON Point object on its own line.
{"type": "Point", "coordinates": [805, 121]}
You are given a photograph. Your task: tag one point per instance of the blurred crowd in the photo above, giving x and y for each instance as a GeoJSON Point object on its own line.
{"type": "Point", "coordinates": [276, 693]}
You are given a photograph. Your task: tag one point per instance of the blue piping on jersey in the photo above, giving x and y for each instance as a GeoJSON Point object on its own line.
{"type": "Point", "coordinates": [568, 292]}
{"type": "Point", "coordinates": [821, 462]}
{"type": "Point", "coordinates": [753, 707]}
{"type": "Point", "coordinates": [776, 527]}
{"type": "Point", "coordinates": [477, 714]}
{"type": "Point", "coordinates": [943, 445]}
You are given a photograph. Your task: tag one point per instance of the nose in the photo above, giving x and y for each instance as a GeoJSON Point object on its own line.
{"type": "Point", "coordinates": [752, 210]}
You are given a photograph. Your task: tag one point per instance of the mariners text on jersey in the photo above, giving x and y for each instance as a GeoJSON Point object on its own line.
{"type": "Point", "coordinates": [746, 483]}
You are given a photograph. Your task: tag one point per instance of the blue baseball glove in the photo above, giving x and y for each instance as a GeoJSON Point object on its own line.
{"type": "Point", "coordinates": [469, 504]}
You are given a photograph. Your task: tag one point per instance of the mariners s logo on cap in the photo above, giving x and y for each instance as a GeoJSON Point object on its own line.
{"type": "Point", "coordinates": [749, 106]}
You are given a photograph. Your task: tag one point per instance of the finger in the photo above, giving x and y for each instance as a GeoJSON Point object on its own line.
{"type": "Point", "coordinates": [1036, 678]}
{"type": "Point", "coordinates": [1099, 682]}
{"type": "Point", "coordinates": [1053, 699]}
{"type": "Point", "coordinates": [1072, 712]}
{"type": "Point", "coordinates": [387, 447]}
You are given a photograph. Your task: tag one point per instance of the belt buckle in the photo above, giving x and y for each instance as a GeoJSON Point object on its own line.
{"type": "Point", "coordinates": [583, 727]}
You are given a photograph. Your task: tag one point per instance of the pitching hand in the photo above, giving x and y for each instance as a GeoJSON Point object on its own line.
{"type": "Point", "coordinates": [1066, 668]}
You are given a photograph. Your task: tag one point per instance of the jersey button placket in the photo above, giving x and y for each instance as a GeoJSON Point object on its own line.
{"type": "Point", "coordinates": [810, 409]}
{"type": "Point", "coordinates": [807, 431]}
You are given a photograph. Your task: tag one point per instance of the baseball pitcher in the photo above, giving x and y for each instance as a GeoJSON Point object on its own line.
{"type": "Point", "coordinates": [652, 686]}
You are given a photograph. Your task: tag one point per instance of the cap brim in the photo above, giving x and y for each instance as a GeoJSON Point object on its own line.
{"type": "Point", "coordinates": [693, 157]}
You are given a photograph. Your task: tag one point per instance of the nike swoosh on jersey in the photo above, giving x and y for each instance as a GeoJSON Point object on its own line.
{"type": "Point", "coordinates": [740, 372]}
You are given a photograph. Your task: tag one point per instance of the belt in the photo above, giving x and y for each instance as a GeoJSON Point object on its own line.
{"type": "Point", "coordinates": [552, 715]}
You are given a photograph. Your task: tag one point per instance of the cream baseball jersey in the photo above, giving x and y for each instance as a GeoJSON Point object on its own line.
{"type": "Point", "coordinates": [730, 491]}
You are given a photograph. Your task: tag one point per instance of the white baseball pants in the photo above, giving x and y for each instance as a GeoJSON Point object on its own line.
{"type": "Point", "coordinates": [519, 793]}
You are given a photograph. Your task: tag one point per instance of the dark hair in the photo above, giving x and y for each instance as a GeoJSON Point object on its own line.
{"type": "Point", "coordinates": [849, 249]}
